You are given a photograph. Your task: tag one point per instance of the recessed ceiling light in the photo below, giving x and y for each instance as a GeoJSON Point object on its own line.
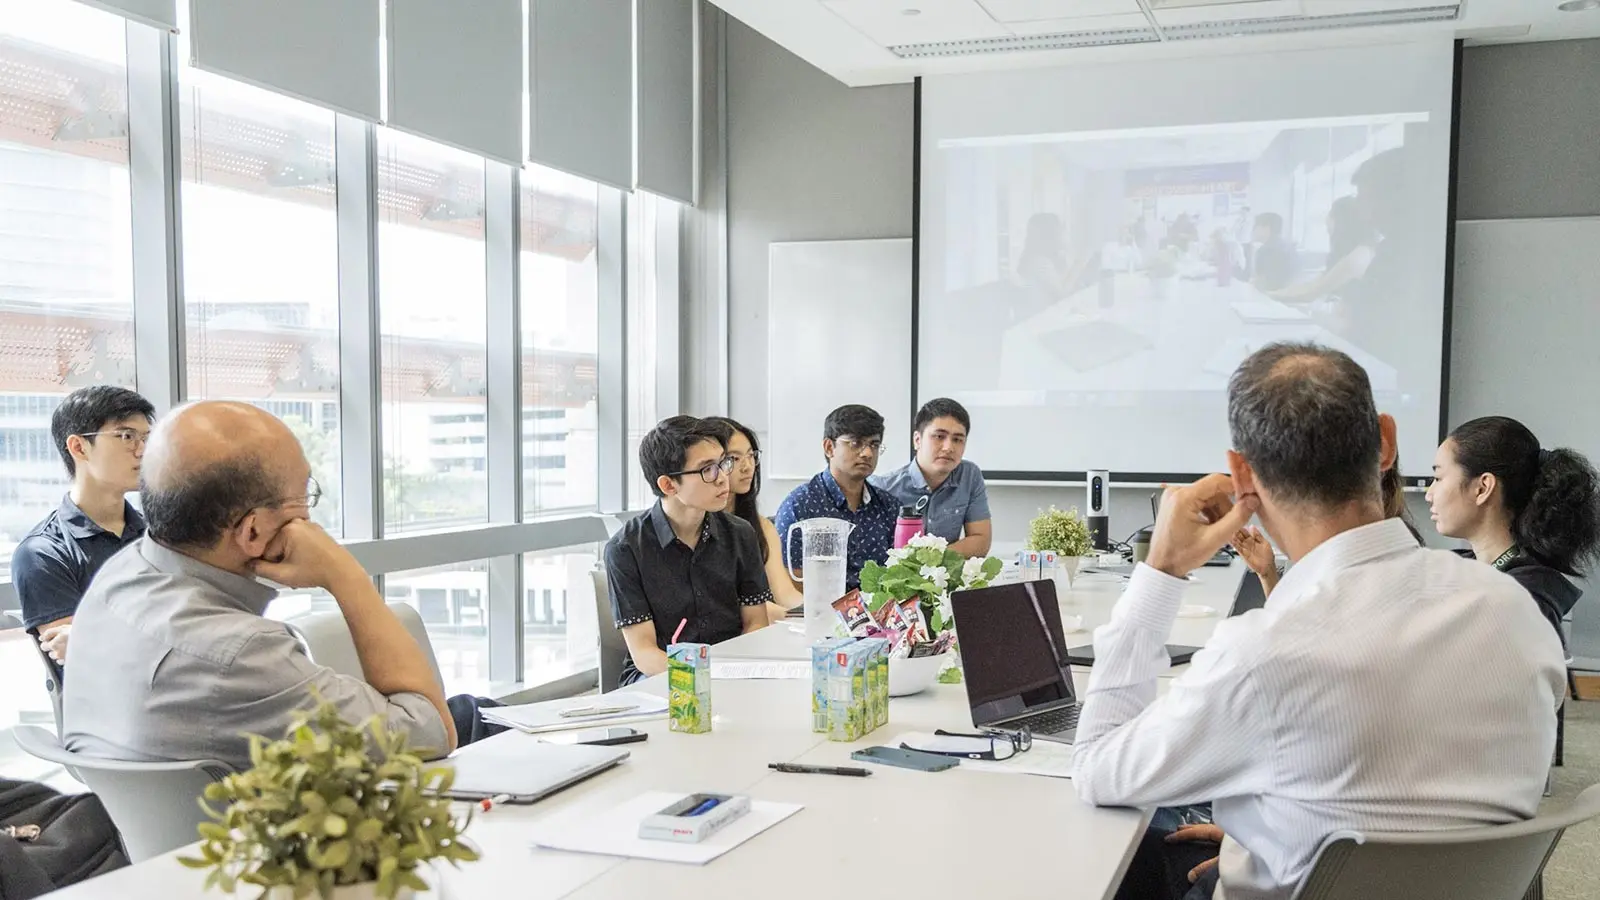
{"type": "Point", "coordinates": [1579, 5]}
{"type": "Point", "coordinates": [918, 12]}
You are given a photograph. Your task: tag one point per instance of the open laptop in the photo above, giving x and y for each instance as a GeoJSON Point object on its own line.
{"type": "Point", "coordinates": [1250, 595]}
{"type": "Point", "coordinates": [524, 768]}
{"type": "Point", "coordinates": [1013, 656]}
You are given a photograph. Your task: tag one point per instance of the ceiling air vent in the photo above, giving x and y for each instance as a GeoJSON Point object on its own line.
{"type": "Point", "coordinates": [1065, 40]}
{"type": "Point", "coordinates": [1300, 24]}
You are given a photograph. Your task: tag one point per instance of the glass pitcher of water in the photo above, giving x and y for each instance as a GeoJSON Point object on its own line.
{"type": "Point", "coordinates": [824, 547]}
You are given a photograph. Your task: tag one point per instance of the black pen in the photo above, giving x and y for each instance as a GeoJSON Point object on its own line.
{"type": "Point", "coordinates": [797, 769]}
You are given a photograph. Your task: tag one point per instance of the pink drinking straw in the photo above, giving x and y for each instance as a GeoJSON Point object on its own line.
{"type": "Point", "coordinates": [679, 631]}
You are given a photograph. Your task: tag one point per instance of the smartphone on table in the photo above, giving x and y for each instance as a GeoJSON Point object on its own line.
{"type": "Point", "coordinates": [599, 737]}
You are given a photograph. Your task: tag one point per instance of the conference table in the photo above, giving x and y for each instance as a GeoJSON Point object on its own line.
{"type": "Point", "coordinates": [957, 834]}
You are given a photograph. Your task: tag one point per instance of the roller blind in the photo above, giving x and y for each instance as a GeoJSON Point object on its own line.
{"type": "Point", "coordinates": [160, 13]}
{"type": "Point", "coordinates": [322, 51]}
{"type": "Point", "coordinates": [455, 73]}
{"type": "Point", "coordinates": [667, 86]}
{"type": "Point", "coordinates": [580, 66]}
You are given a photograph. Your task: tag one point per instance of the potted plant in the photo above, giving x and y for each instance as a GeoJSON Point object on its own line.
{"type": "Point", "coordinates": [333, 810]}
{"type": "Point", "coordinates": [1065, 533]}
{"type": "Point", "coordinates": [927, 569]}
{"type": "Point", "coordinates": [1163, 271]}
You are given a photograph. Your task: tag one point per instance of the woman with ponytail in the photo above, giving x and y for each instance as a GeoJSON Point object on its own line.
{"type": "Point", "coordinates": [1531, 513]}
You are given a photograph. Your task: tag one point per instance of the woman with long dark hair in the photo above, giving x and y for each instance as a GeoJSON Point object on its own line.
{"type": "Point", "coordinates": [1529, 512]}
{"type": "Point", "coordinates": [1352, 244]}
{"type": "Point", "coordinates": [745, 486]}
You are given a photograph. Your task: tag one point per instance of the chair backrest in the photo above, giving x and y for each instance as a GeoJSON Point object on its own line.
{"type": "Point", "coordinates": [1583, 635]}
{"type": "Point", "coordinates": [52, 670]}
{"type": "Point", "coordinates": [326, 637]}
{"type": "Point", "coordinates": [154, 805]}
{"type": "Point", "coordinates": [1492, 863]}
{"type": "Point", "coordinates": [613, 649]}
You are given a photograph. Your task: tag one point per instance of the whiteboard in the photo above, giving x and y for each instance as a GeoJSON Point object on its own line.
{"type": "Point", "coordinates": [1525, 320]}
{"type": "Point", "coordinates": [839, 331]}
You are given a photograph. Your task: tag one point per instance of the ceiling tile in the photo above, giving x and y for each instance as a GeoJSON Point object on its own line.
{"type": "Point", "coordinates": [1342, 7]}
{"type": "Point", "coordinates": [888, 21]}
{"type": "Point", "coordinates": [1229, 12]}
{"type": "Point", "coordinates": [1090, 23]}
{"type": "Point", "coordinates": [1009, 11]}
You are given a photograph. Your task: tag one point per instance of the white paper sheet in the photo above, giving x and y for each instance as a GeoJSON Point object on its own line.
{"type": "Point", "coordinates": [1046, 758]}
{"type": "Point", "coordinates": [760, 668]}
{"type": "Point", "coordinates": [537, 718]}
{"type": "Point", "coordinates": [615, 831]}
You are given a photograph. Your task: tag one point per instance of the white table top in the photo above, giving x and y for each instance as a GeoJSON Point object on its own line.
{"type": "Point", "coordinates": [955, 834]}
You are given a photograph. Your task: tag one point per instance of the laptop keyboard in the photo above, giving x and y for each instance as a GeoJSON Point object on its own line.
{"type": "Point", "coordinates": [1056, 721]}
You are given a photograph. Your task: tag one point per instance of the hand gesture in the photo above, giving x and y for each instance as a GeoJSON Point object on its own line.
{"type": "Point", "coordinates": [1197, 833]}
{"type": "Point", "coordinates": [304, 556]}
{"type": "Point", "coordinates": [1195, 522]}
{"type": "Point", "coordinates": [1256, 551]}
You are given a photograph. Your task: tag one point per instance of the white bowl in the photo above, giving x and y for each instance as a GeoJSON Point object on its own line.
{"type": "Point", "coordinates": [909, 676]}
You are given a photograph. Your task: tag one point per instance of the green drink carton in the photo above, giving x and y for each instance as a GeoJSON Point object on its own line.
{"type": "Point", "coordinates": [878, 682]}
{"type": "Point", "coordinates": [847, 674]}
{"type": "Point", "coordinates": [821, 655]}
{"type": "Point", "coordinates": [689, 688]}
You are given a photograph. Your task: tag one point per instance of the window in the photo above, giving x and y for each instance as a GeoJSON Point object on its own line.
{"type": "Point", "coordinates": [66, 272]}
{"type": "Point", "coordinates": [652, 235]}
{"type": "Point", "coordinates": [560, 319]}
{"type": "Point", "coordinates": [432, 312]}
{"type": "Point", "coordinates": [260, 262]}
{"type": "Point", "coordinates": [454, 604]}
{"type": "Point", "coordinates": [561, 631]}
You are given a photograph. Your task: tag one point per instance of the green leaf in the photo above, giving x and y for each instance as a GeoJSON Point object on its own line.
{"type": "Point", "coordinates": [211, 831]}
{"type": "Point", "coordinates": [191, 862]}
{"type": "Point", "coordinates": [992, 567]}
{"type": "Point", "coordinates": [951, 675]}
{"type": "Point", "coordinates": [334, 826]}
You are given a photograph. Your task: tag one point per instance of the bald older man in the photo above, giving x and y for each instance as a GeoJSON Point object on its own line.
{"type": "Point", "coordinates": [183, 663]}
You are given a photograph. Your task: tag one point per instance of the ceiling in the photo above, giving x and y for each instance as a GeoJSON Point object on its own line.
{"type": "Point", "coordinates": [863, 42]}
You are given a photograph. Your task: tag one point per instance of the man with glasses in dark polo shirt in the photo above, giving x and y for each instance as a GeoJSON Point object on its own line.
{"type": "Point", "coordinates": [100, 432]}
{"type": "Point", "coordinates": [685, 561]}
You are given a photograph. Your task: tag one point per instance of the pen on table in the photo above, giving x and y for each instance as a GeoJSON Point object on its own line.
{"type": "Point", "coordinates": [489, 803]}
{"type": "Point", "coordinates": [586, 711]}
{"type": "Point", "coordinates": [798, 769]}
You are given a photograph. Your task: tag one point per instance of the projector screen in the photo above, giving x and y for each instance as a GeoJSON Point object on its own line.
{"type": "Point", "coordinates": [1100, 247]}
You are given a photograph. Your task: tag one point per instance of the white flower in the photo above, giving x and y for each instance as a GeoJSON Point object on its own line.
{"type": "Point", "coordinates": [939, 575]}
{"type": "Point", "coordinates": [946, 612]}
{"type": "Point", "coordinates": [899, 554]}
{"type": "Point", "coordinates": [929, 540]}
{"type": "Point", "coordinates": [972, 570]}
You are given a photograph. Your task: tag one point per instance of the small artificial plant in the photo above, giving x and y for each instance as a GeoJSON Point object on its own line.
{"type": "Point", "coordinates": [1064, 532]}
{"type": "Point", "coordinates": [330, 805]}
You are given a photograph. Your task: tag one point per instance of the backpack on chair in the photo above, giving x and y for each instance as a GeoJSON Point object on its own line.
{"type": "Point", "coordinates": [50, 840]}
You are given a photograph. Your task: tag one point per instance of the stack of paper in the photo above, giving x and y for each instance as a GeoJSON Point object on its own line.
{"type": "Point", "coordinates": [615, 832]}
{"type": "Point", "coordinates": [616, 708]}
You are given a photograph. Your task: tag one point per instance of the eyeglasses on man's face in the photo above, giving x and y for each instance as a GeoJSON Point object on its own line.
{"type": "Point", "coordinates": [859, 446]}
{"type": "Point", "coordinates": [131, 438]}
{"type": "Point", "coordinates": [309, 500]}
{"type": "Point", "coordinates": [710, 472]}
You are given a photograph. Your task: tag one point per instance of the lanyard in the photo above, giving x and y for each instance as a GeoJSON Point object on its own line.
{"type": "Point", "coordinates": [1504, 560]}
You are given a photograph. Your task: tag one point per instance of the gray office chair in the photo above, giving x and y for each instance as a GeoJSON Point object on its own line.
{"type": "Point", "coordinates": [52, 676]}
{"type": "Point", "coordinates": [152, 804]}
{"type": "Point", "coordinates": [1492, 863]}
{"type": "Point", "coordinates": [1583, 634]}
{"type": "Point", "coordinates": [326, 637]}
{"type": "Point", "coordinates": [613, 649]}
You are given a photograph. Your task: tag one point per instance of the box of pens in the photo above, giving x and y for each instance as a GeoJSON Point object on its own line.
{"type": "Point", "coordinates": [694, 818]}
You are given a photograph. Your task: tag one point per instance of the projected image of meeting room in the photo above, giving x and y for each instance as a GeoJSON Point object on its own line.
{"type": "Point", "coordinates": [1157, 259]}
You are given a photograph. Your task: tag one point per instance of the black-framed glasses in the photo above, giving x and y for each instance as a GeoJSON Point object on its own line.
{"type": "Point", "coordinates": [130, 437]}
{"type": "Point", "coordinates": [753, 458]}
{"type": "Point", "coordinates": [310, 499]}
{"type": "Point", "coordinates": [992, 744]}
{"type": "Point", "coordinates": [710, 472]}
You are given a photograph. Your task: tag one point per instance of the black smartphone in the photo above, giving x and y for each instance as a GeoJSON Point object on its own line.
{"type": "Point", "coordinates": [599, 737]}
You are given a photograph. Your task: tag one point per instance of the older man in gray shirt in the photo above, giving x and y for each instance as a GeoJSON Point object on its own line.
{"type": "Point", "coordinates": [178, 661]}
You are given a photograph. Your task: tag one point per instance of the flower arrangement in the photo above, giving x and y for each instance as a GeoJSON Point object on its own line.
{"type": "Point", "coordinates": [927, 569]}
{"type": "Point", "coordinates": [329, 807]}
{"type": "Point", "coordinates": [1063, 532]}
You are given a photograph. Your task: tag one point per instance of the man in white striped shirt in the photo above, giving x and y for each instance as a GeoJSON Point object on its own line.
{"type": "Point", "coordinates": [1384, 687]}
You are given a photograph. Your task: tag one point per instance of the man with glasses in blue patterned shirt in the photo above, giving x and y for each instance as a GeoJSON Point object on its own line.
{"type": "Point", "coordinates": [852, 441]}
{"type": "Point", "coordinates": [100, 432]}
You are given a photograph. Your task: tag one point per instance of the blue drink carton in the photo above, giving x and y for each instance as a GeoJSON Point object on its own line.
{"type": "Point", "coordinates": [821, 656]}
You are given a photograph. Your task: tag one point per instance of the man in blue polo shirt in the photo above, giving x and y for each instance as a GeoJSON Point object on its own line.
{"type": "Point", "coordinates": [957, 507]}
{"type": "Point", "coordinates": [852, 439]}
{"type": "Point", "coordinates": [100, 432]}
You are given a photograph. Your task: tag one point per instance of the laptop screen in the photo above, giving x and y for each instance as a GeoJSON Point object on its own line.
{"type": "Point", "coordinates": [1005, 651]}
{"type": "Point", "coordinates": [1249, 596]}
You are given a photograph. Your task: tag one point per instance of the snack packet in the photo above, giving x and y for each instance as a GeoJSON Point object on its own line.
{"type": "Point", "coordinates": [853, 613]}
